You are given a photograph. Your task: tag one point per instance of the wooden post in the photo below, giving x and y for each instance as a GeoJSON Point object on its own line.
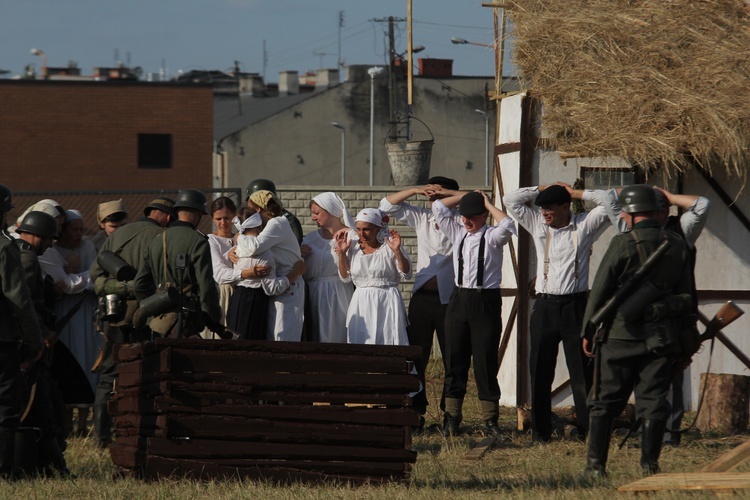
{"type": "Point", "coordinates": [726, 404]}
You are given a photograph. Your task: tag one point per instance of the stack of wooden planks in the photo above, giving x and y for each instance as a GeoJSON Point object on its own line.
{"type": "Point", "coordinates": [285, 411]}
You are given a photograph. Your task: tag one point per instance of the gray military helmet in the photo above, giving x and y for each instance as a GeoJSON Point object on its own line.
{"type": "Point", "coordinates": [191, 198]}
{"type": "Point", "coordinates": [638, 198]}
{"type": "Point", "coordinates": [38, 223]}
{"type": "Point", "coordinates": [258, 185]}
{"type": "Point", "coordinates": [5, 198]}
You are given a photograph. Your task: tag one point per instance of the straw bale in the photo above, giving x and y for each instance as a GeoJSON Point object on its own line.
{"type": "Point", "coordinates": [653, 81]}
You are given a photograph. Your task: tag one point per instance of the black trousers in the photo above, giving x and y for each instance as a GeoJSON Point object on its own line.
{"type": "Point", "coordinates": [10, 372]}
{"type": "Point", "coordinates": [473, 327]}
{"type": "Point", "coordinates": [247, 314]}
{"type": "Point", "coordinates": [426, 318]}
{"type": "Point", "coordinates": [627, 366]}
{"type": "Point", "coordinates": [555, 319]}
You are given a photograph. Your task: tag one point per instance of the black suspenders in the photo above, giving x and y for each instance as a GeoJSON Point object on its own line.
{"type": "Point", "coordinates": [480, 262]}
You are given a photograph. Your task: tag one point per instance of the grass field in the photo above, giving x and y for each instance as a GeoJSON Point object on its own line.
{"type": "Point", "coordinates": [517, 468]}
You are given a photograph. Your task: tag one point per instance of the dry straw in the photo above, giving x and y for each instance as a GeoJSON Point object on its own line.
{"type": "Point", "coordinates": [661, 83]}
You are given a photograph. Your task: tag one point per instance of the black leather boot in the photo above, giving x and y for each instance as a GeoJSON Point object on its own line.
{"type": "Point", "coordinates": [491, 428]}
{"type": "Point", "coordinates": [102, 426]}
{"type": "Point", "coordinates": [651, 439]}
{"type": "Point", "coordinates": [600, 429]}
{"type": "Point", "coordinates": [451, 425]}
{"type": "Point", "coordinates": [7, 442]}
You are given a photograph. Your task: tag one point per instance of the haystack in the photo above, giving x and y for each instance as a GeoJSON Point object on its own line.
{"type": "Point", "coordinates": [663, 83]}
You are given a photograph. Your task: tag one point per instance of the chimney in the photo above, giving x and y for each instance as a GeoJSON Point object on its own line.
{"type": "Point", "coordinates": [326, 78]}
{"type": "Point", "coordinates": [288, 83]}
{"type": "Point", "coordinates": [251, 84]}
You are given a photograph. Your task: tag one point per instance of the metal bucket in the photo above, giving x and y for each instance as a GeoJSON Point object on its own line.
{"type": "Point", "coordinates": [410, 161]}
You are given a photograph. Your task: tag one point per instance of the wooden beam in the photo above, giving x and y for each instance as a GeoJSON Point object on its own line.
{"type": "Point", "coordinates": [727, 343]}
{"type": "Point", "coordinates": [723, 195]}
{"type": "Point", "coordinates": [691, 481]}
{"type": "Point", "coordinates": [560, 388]}
{"type": "Point", "coordinates": [506, 334]}
{"type": "Point", "coordinates": [730, 460]}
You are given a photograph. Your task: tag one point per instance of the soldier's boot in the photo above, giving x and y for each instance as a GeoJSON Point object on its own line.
{"type": "Point", "coordinates": [600, 429]}
{"type": "Point", "coordinates": [651, 440]}
{"type": "Point", "coordinates": [7, 448]}
{"type": "Point", "coordinates": [452, 417]}
{"type": "Point", "coordinates": [102, 425]}
{"type": "Point", "coordinates": [51, 458]}
{"type": "Point", "coordinates": [490, 414]}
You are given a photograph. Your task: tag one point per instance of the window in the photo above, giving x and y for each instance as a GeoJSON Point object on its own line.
{"type": "Point", "coordinates": [608, 178]}
{"type": "Point", "coordinates": [155, 150]}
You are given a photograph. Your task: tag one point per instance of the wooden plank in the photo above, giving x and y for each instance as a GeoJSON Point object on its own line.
{"type": "Point", "coordinates": [730, 460]}
{"type": "Point", "coordinates": [478, 450]}
{"type": "Point", "coordinates": [691, 481]}
{"type": "Point", "coordinates": [207, 448]}
{"type": "Point", "coordinates": [127, 456]}
{"type": "Point", "coordinates": [379, 416]}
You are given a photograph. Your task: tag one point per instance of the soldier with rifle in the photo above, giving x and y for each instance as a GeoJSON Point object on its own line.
{"type": "Point", "coordinates": [178, 266]}
{"type": "Point", "coordinates": [635, 338]}
{"type": "Point", "coordinates": [129, 244]}
{"type": "Point", "coordinates": [36, 233]}
{"type": "Point", "coordinates": [18, 326]}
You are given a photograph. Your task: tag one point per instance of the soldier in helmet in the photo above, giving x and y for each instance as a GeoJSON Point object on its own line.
{"type": "Point", "coordinates": [18, 324]}
{"type": "Point", "coordinates": [188, 268]}
{"type": "Point", "coordinates": [265, 184]}
{"type": "Point", "coordinates": [129, 243]}
{"type": "Point", "coordinates": [639, 346]}
{"type": "Point", "coordinates": [36, 232]}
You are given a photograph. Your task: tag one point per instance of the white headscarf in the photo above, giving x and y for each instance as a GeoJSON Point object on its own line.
{"type": "Point", "coordinates": [334, 205]}
{"type": "Point", "coordinates": [249, 223]}
{"type": "Point", "coordinates": [41, 206]}
{"type": "Point", "coordinates": [375, 216]}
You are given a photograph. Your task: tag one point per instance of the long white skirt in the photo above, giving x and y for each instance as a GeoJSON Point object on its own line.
{"type": "Point", "coordinates": [377, 316]}
{"type": "Point", "coordinates": [286, 313]}
{"type": "Point", "coordinates": [329, 302]}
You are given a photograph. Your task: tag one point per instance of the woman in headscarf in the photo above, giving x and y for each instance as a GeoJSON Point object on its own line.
{"type": "Point", "coordinates": [68, 262]}
{"type": "Point", "coordinates": [329, 297]}
{"type": "Point", "coordinates": [286, 318]}
{"type": "Point", "coordinates": [376, 263]}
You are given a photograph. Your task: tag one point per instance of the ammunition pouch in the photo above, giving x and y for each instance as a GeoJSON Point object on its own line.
{"type": "Point", "coordinates": [157, 305]}
{"type": "Point", "coordinates": [661, 337]}
{"type": "Point", "coordinates": [116, 266]}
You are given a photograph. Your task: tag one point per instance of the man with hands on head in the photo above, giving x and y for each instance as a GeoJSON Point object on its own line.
{"type": "Point", "coordinates": [473, 322]}
{"type": "Point", "coordinates": [433, 282]}
{"type": "Point", "coordinates": [563, 243]}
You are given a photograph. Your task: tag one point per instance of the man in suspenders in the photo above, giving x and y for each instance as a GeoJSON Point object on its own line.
{"type": "Point", "coordinates": [473, 323]}
{"type": "Point", "coordinates": [563, 247]}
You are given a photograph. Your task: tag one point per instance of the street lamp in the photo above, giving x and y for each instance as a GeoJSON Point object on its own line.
{"type": "Point", "coordinates": [462, 41]}
{"type": "Point", "coordinates": [40, 53]}
{"type": "Point", "coordinates": [486, 146]}
{"type": "Point", "coordinates": [343, 151]}
{"type": "Point", "coordinates": [373, 72]}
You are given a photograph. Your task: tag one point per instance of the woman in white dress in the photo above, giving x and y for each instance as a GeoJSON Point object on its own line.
{"type": "Point", "coordinates": [286, 318]}
{"type": "Point", "coordinates": [222, 212]}
{"type": "Point", "coordinates": [376, 264]}
{"type": "Point", "coordinates": [329, 297]}
{"type": "Point", "coordinates": [68, 262]}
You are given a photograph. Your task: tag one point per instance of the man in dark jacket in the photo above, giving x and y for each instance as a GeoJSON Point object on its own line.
{"type": "Point", "coordinates": [640, 339]}
{"type": "Point", "coordinates": [130, 243]}
{"type": "Point", "coordinates": [188, 269]}
{"type": "Point", "coordinates": [18, 323]}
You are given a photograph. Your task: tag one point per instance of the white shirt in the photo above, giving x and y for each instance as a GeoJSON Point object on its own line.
{"type": "Point", "coordinates": [53, 263]}
{"type": "Point", "coordinates": [224, 271]}
{"type": "Point", "coordinates": [434, 248]}
{"type": "Point", "coordinates": [563, 251]}
{"type": "Point", "coordinates": [495, 238]}
{"type": "Point", "coordinates": [271, 284]}
{"type": "Point", "coordinates": [692, 221]}
{"type": "Point", "coordinates": [278, 237]}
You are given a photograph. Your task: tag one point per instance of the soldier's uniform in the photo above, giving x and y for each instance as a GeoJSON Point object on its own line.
{"type": "Point", "coordinates": [130, 243]}
{"type": "Point", "coordinates": [18, 323]}
{"type": "Point", "coordinates": [627, 362]}
{"type": "Point", "coordinates": [47, 410]}
{"type": "Point", "coordinates": [200, 294]}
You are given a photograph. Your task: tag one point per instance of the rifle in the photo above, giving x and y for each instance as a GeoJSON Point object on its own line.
{"type": "Point", "coordinates": [604, 312]}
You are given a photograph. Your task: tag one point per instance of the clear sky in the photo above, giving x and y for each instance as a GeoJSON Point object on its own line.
{"type": "Point", "coordinates": [184, 35]}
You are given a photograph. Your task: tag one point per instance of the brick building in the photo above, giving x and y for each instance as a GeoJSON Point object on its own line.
{"type": "Point", "coordinates": [104, 135]}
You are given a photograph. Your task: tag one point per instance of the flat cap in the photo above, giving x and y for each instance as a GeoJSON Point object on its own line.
{"type": "Point", "coordinates": [554, 194]}
{"type": "Point", "coordinates": [472, 204]}
{"type": "Point", "coordinates": [445, 182]}
{"type": "Point", "coordinates": [110, 207]}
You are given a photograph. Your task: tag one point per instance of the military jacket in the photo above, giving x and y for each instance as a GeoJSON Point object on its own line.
{"type": "Point", "coordinates": [671, 274]}
{"type": "Point", "coordinates": [181, 238]}
{"type": "Point", "coordinates": [18, 319]}
{"type": "Point", "coordinates": [130, 243]}
{"type": "Point", "coordinates": [37, 288]}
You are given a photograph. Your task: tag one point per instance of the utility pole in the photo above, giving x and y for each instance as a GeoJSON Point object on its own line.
{"type": "Point", "coordinates": [340, 63]}
{"type": "Point", "coordinates": [391, 72]}
{"type": "Point", "coordinates": [265, 61]}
